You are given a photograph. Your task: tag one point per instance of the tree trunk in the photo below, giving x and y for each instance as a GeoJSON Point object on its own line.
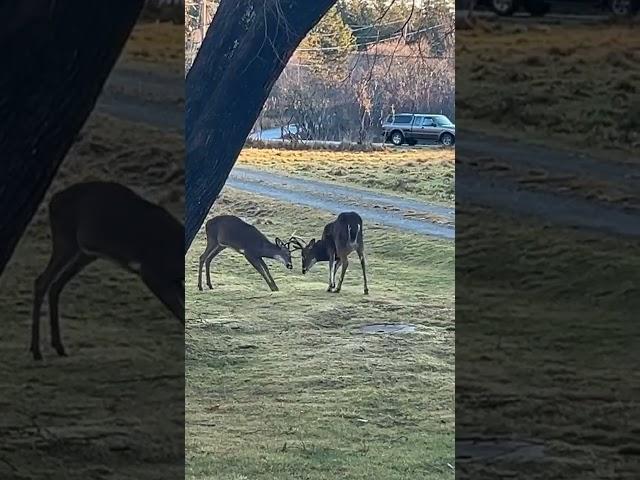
{"type": "Point", "coordinates": [244, 52]}
{"type": "Point", "coordinates": [56, 57]}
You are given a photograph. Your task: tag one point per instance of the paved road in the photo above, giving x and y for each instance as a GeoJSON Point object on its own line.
{"type": "Point", "coordinates": [390, 210]}
{"type": "Point", "coordinates": [562, 207]}
{"type": "Point", "coordinates": [145, 95]}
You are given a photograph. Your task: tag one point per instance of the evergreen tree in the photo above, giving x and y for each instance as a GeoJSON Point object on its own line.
{"type": "Point", "coordinates": [328, 45]}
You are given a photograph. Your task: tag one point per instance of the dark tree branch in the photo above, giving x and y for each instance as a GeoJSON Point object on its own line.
{"type": "Point", "coordinates": [55, 57]}
{"type": "Point", "coordinates": [245, 50]}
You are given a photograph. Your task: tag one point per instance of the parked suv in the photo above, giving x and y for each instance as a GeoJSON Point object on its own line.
{"type": "Point", "coordinates": [410, 127]}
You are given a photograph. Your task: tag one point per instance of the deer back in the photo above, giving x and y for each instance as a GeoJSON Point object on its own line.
{"type": "Point", "coordinates": [111, 221]}
{"type": "Point", "coordinates": [345, 230]}
{"type": "Point", "coordinates": [231, 231]}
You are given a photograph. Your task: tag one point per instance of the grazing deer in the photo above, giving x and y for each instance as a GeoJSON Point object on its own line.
{"type": "Point", "coordinates": [228, 231]}
{"type": "Point", "coordinates": [339, 239]}
{"type": "Point", "coordinates": [107, 220]}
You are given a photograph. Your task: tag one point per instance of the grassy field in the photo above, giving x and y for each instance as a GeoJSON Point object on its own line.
{"type": "Point", "coordinates": [546, 345]}
{"type": "Point", "coordinates": [156, 43]}
{"type": "Point", "coordinates": [574, 85]}
{"type": "Point", "coordinates": [284, 386]}
{"type": "Point", "coordinates": [91, 414]}
{"type": "Point", "coordinates": [423, 174]}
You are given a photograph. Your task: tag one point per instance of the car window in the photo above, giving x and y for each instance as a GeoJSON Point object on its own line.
{"type": "Point", "coordinates": [401, 119]}
{"type": "Point", "coordinates": [428, 122]}
{"type": "Point", "coordinates": [443, 121]}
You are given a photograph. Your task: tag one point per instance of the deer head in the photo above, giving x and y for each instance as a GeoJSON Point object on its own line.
{"type": "Point", "coordinates": [308, 251]}
{"type": "Point", "coordinates": [284, 254]}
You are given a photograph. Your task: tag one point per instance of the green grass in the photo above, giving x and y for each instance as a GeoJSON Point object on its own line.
{"type": "Point", "coordinates": [546, 343]}
{"type": "Point", "coordinates": [422, 174]}
{"type": "Point", "coordinates": [570, 85]}
{"type": "Point", "coordinates": [283, 386]}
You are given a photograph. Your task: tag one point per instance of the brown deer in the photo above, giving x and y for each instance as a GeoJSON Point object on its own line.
{"type": "Point", "coordinates": [228, 231]}
{"type": "Point", "coordinates": [107, 220]}
{"type": "Point", "coordinates": [339, 238]}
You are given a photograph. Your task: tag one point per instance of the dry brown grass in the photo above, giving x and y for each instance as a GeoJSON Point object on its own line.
{"type": "Point", "coordinates": [576, 85]}
{"type": "Point", "coordinates": [156, 43]}
{"type": "Point", "coordinates": [423, 174]}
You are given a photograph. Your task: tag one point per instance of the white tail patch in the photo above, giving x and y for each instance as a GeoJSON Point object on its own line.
{"type": "Point", "coordinates": [353, 243]}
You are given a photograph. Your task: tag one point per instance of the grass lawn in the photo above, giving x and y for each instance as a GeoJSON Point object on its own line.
{"type": "Point", "coordinates": [576, 85]}
{"type": "Point", "coordinates": [422, 174]}
{"type": "Point", "coordinates": [547, 344]}
{"type": "Point", "coordinates": [283, 386]}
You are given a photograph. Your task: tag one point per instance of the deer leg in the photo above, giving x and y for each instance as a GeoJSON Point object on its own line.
{"type": "Point", "coordinates": [273, 285]}
{"type": "Point", "coordinates": [262, 269]}
{"type": "Point", "coordinates": [336, 265]}
{"type": "Point", "coordinates": [170, 294]}
{"type": "Point", "coordinates": [364, 271]}
{"type": "Point", "coordinates": [207, 264]}
{"type": "Point", "coordinates": [207, 252]}
{"type": "Point", "coordinates": [345, 264]}
{"type": "Point", "coordinates": [61, 258]}
{"type": "Point", "coordinates": [332, 275]}
{"type": "Point", "coordinates": [54, 295]}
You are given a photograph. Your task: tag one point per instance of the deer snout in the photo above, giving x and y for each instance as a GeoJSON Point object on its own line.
{"type": "Point", "coordinates": [290, 266]}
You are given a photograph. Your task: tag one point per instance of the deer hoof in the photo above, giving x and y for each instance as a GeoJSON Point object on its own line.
{"type": "Point", "coordinates": [200, 287]}
{"type": "Point", "coordinates": [366, 292]}
{"type": "Point", "coordinates": [36, 355]}
{"type": "Point", "coordinates": [210, 286]}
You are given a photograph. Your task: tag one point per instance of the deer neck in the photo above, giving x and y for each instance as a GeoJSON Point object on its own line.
{"type": "Point", "coordinates": [321, 250]}
{"type": "Point", "coordinates": [270, 250]}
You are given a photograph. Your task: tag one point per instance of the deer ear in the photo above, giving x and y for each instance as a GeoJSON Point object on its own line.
{"type": "Point", "coordinates": [279, 242]}
{"type": "Point", "coordinates": [312, 242]}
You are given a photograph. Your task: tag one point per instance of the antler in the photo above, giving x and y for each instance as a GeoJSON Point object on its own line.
{"type": "Point", "coordinates": [298, 243]}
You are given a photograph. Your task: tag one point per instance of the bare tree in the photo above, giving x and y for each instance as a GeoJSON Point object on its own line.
{"type": "Point", "coordinates": [55, 57]}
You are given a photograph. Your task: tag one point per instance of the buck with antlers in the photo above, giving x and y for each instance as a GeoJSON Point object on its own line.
{"type": "Point", "coordinates": [339, 238]}
{"type": "Point", "coordinates": [107, 220]}
{"type": "Point", "coordinates": [228, 231]}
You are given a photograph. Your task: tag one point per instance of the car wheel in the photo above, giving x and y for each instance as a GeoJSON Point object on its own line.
{"type": "Point", "coordinates": [447, 139]}
{"type": "Point", "coordinates": [504, 8]}
{"type": "Point", "coordinates": [396, 138]}
{"type": "Point", "coordinates": [537, 8]}
{"type": "Point", "coordinates": [623, 8]}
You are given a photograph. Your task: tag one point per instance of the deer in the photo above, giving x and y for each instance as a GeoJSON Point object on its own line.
{"type": "Point", "coordinates": [229, 231]}
{"type": "Point", "coordinates": [105, 220]}
{"type": "Point", "coordinates": [339, 238]}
